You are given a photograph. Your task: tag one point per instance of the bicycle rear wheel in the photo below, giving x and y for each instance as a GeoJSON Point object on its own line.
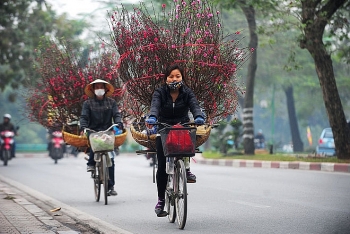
{"type": "Point", "coordinates": [97, 182]}
{"type": "Point", "coordinates": [181, 194]}
{"type": "Point", "coordinates": [170, 199]}
{"type": "Point", "coordinates": [105, 176]}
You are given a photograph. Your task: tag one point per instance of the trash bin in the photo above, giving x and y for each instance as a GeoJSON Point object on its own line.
{"type": "Point", "coordinates": [271, 149]}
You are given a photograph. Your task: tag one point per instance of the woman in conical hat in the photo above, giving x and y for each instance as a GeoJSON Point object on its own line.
{"type": "Point", "coordinates": [90, 91]}
{"type": "Point", "coordinates": [99, 112]}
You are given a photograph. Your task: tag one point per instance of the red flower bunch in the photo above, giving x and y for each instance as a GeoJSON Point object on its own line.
{"type": "Point", "coordinates": [56, 98]}
{"type": "Point", "coordinates": [189, 34]}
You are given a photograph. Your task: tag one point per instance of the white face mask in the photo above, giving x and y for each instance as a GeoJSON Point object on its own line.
{"type": "Point", "coordinates": [99, 92]}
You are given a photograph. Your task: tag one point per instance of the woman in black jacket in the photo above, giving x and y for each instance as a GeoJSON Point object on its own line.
{"type": "Point", "coordinates": [171, 104]}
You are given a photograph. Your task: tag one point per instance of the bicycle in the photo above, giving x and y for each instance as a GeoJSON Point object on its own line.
{"type": "Point", "coordinates": [178, 145]}
{"type": "Point", "coordinates": [102, 144]}
{"type": "Point", "coordinates": [152, 154]}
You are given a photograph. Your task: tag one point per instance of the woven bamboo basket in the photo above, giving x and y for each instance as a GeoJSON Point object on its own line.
{"type": "Point", "coordinates": [82, 141]}
{"type": "Point", "coordinates": [149, 141]}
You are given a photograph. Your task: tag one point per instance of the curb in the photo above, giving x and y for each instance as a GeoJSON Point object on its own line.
{"type": "Point", "coordinates": [329, 167]}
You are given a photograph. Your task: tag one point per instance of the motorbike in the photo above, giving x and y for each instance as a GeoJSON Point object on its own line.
{"type": "Point", "coordinates": [57, 146]}
{"type": "Point", "coordinates": [6, 145]}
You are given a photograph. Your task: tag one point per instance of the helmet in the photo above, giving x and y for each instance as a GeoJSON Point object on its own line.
{"type": "Point", "coordinates": [7, 116]}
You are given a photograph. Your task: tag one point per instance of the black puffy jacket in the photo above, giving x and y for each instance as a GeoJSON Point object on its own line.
{"type": "Point", "coordinates": [99, 115]}
{"type": "Point", "coordinates": [163, 108]}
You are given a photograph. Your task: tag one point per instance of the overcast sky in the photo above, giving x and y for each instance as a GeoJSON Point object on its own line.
{"type": "Point", "coordinates": [76, 7]}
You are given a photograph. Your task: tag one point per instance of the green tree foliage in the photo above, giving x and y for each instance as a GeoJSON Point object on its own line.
{"type": "Point", "coordinates": [22, 24]}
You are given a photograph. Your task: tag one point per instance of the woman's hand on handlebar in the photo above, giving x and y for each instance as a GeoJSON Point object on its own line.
{"type": "Point", "coordinates": [149, 122]}
{"type": "Point", "coordinates": [199, 120]}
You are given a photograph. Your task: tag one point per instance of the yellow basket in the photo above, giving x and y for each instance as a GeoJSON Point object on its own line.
{"type": "Point", "coordinates": [75, 140]}
{"type": "Point", "coordinates": [82, 141]}
{"type": "Point", "coordinates": [149, 141]}
{"type": "Point", "coordinates": [120, 139]}
{"type": "Point", "coordinates": [202, 134]}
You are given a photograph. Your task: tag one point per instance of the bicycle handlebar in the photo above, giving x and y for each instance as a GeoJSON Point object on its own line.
{"type": "Point", "coordinates": [88, 129]}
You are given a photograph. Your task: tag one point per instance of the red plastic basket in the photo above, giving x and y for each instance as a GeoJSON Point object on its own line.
{"type": "Point", "coordinates": [178, 141]}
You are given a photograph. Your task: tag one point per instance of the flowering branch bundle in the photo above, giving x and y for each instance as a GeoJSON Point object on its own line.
{"type": "Point", "coordinates": [189, 34]}
{"type": "Point", "coordinates": [56, 98]}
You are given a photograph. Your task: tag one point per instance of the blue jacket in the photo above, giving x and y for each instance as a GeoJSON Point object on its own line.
{"type": "Point", "coordinates": [163, 108]}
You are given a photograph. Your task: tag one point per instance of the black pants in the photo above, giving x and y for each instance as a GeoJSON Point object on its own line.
{"type": "Point", "coordinates": [162, 176]}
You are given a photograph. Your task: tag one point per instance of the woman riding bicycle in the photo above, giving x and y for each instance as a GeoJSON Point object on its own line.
{"type": "Point", "coordinates": [97, 114]}
{"type": "Point", "coordinates": [171, 104]}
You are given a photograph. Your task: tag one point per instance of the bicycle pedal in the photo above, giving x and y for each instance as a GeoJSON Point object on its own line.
{"type": "Point", "coordinates": [162, 214]}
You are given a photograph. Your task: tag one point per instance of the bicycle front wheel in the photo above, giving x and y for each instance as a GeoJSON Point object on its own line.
{"type": "Point", "coordinates": [105, 176]}
{"type": "Point", "coordinates": [181, 194]}
{"type": "Point", "coordinates": [170, 199]}
{"type": "Point", "coordinates": [97, 182]}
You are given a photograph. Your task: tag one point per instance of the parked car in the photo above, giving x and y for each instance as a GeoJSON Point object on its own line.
{"type": "Point", "coordinates": [325, 145]}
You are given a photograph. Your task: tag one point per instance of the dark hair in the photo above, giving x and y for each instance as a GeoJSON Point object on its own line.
{"type": "Point", "coordinates": [171, 68]}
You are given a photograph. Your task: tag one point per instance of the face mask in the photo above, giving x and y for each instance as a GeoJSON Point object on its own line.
{"type": "Point", "coordinates": [99, 92]}
{"type": "Point", "coordinates": [175, 85]}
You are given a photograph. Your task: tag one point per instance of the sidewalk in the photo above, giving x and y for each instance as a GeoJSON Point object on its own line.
{"type": "Point", "coordinates": [27, 211]}
{"type": "Point", "coordinates": [19, 215]}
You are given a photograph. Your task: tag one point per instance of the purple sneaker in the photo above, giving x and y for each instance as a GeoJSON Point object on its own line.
{"type": "Point", "coordinates": [159, 209]}
{"type": "Point", "coordinates": [191, 178]}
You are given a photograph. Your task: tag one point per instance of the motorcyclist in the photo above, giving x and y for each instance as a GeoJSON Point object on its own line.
{"type": "Point", "coordinates": [7, 126]}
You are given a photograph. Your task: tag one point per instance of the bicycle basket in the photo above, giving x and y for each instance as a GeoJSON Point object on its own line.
{"type": "Point", "coordinates": [102, 141]}
{"type": "Point", "coordinates": [178, 141]}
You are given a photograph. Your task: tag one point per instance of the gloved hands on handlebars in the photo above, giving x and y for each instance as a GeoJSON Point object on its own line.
{"type": "Point", "coordinates": [151, 120]}
{"type": "Point", "coordinates": [199, 120]}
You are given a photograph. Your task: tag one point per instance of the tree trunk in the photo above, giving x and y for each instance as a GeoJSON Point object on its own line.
{"type": "Point", "coordinates": [298, 145]}
{"type": "Point", "coordinates": [315, 24]}
{"type": "Point", "coordinates": [336, 116]}
{"type": "Point", "coordinates": [248, 127]}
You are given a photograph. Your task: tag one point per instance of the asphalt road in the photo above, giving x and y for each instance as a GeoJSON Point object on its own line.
{"type": "Point", "coordinates": [224, 199]}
